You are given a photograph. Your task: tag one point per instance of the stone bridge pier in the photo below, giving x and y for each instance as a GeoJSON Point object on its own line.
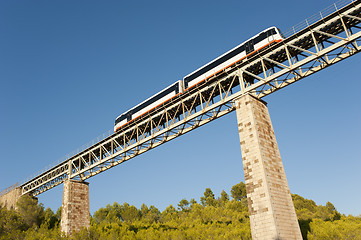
{"type": "Point", "coordinates": [75, 213]}
{"type": "Point", "coordinates": [271, 210]}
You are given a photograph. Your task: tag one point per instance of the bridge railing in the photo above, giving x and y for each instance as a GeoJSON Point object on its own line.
{"type": "Point", "coordinates": [9, 189]}
{"type": "Point", "coordinates": [295, 29]}
{"type": "Point", "coordinates": [304, 25]}
{"type": "Point", "coordinates": [316, 17]}
{"type": "Point", "coordinates": [69, 155]}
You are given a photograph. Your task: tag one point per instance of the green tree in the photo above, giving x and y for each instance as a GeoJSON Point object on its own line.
{"type": "Point", "coordinates": [169, 214]}
{"type": "Point", "coordinates": [335, 215]}
{"type": "Point", "coordinates": [153, 215]}
{"type": "Point", "coordinates": [115, 212]}
{"type": "Point", "coordinates": [170, 210]}
{"type": "Point", "coordinates": [192, 202]}
{"type": "Point", "coordinates": [101, 215]}
{"type": "Point", "coordinates": [238, 191]}
{"type": "Point", "coordinates": [58, 212]}
{"type": "Point", "coordinates": [144, 210]}
{"type": "Point", "coordinates": [12, 226]}
{"type": "Point", "coordinates": [224, 196]}
{"type": "Point", "coordinates": [208, 198]}
{"type": "Point", "coordinates": [183, 205]}
{"type": "Point", "coordinates": [129, 213]}
{"type": "Point", "coordinates": [50, 218]}
{"type": "Point", "coordinates": [30, 211]}
{"type": "Point", "coordinates": [346, 228]}
{"type": "Point", "coordinates": [111, 213]}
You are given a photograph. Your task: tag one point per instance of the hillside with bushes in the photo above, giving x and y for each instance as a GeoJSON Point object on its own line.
{"type": "Point", "coordinates": [211, 217]}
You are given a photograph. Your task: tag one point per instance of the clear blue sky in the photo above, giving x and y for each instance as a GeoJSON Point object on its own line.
{"type": "Point", "coordinates": [68, 68]}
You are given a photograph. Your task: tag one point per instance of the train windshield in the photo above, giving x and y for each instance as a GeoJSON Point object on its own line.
{"type": "Point", "coordinates": [279, 31]}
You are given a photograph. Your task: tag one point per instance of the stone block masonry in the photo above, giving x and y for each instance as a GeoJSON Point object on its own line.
{"type": "Point", "coordinates": [75, 213]}
{"type": "Point", "coordinates": [9, 199]}
{"type": "Point", "coordinates": [271, 210]}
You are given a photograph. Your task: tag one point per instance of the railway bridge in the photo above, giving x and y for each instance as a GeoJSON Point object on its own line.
{"type": "Point", "coordinates": [312, 46]}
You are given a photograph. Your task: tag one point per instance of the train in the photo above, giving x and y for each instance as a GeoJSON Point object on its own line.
{"type": "Point", "coordinates": [244, 50]}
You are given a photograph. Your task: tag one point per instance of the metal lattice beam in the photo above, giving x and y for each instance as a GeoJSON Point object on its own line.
{"type": "Point", "coordinates": [320, 45]}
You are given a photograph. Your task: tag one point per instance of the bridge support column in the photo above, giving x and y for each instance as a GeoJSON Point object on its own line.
{"type": "Point", "coordinates": [75, 213]}
{"type": "Point", "coordinates": [271, 210]}
{"type": "Point", "coordinates": [9, 199]}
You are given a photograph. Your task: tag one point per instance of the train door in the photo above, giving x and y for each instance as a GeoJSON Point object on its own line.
{"type": "Point", "coordinates": [249, 46]}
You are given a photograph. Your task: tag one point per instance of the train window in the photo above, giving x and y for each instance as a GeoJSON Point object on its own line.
{"type": "Point", "coordinates": [120, 118]}
{"type": "Point", "coordinates": [214, 64]}
{"type": "Point", "coordinates": [259, 38]}
{"type": "Point", "coordinates": [271, 32]}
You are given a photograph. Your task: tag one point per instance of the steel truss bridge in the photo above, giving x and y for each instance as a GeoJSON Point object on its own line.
{"type": "Point", "coordinates": [329, 39]}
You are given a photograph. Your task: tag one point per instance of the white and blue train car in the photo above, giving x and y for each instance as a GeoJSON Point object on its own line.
{"type": "Point", "coordinates": [149, 104]}
{"type": "Point", "coordinates": [266, 37]}
{"type": "Point", "coordinates": [242, 51]}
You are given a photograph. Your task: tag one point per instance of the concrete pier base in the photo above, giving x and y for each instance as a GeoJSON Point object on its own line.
{"type": "Point", "coordinates": [271, 210]}
{"type": "Point", "coordinates": [75, 213]}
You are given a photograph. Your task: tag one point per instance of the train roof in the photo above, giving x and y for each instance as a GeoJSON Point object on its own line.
{"type": "Point", "coordinates": [265, 30]}
{"type": "Point", "coordinates": [177, 82]}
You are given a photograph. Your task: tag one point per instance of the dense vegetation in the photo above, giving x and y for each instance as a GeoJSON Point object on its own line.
{"type": "Point", "coordinates": [211, 218]}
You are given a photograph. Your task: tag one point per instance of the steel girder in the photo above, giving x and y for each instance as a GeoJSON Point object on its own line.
{"type": "Point", "coordinates": [322, 44]}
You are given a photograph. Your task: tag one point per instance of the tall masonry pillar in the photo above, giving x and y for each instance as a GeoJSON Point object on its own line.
{"type": "Point", "coordinates": [75, 213]}
{"type": "Point", "coordinates": [271, 210]}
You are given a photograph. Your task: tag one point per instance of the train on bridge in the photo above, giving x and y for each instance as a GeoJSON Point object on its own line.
{"type": "Point", "coordinates": [241, 52]}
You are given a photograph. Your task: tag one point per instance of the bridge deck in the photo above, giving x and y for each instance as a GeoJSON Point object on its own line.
{"type": "Point", "coordinates": [321, 44]}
